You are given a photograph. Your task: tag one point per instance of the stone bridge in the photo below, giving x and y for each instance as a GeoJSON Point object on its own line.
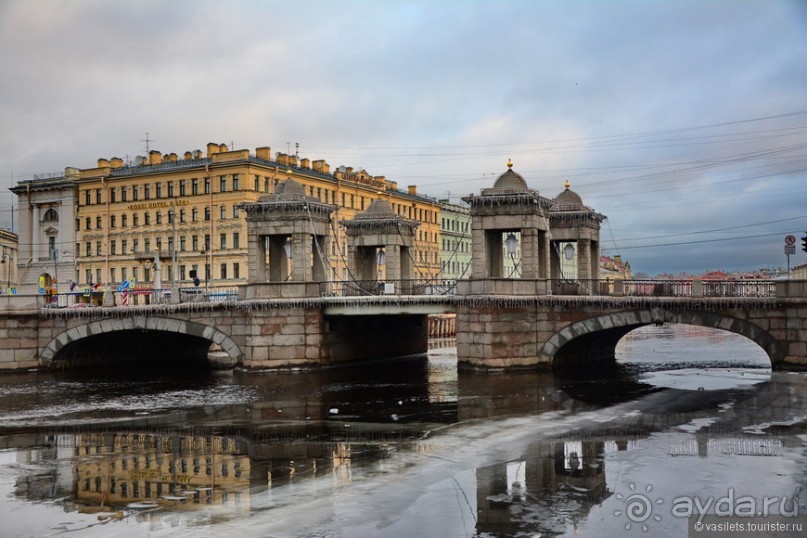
{"type": "Point", "coordinates": [494, 331]}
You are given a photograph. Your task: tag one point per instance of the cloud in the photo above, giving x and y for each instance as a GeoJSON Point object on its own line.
{"type": "Point", "coordinates": [617, 97]}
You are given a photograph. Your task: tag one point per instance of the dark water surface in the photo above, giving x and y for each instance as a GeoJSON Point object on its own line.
{"type": "Point", "coordinates": [403, 448]}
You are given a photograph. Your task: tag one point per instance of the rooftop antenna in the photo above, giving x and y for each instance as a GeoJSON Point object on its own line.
{"type": "Point", "coordinates": [297, 149]}
{"type": "Point", "coordinates": [147, 140]}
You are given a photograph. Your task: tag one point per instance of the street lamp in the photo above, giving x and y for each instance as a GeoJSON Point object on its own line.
{"type": "Point", "coordinates": [511, 244]}
{"type": "Point", "coordinates": [568, 251]}
{"type": "Point", "coordinates": [174, 287]}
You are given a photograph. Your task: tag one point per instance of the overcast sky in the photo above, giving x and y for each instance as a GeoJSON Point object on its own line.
{"type": "Point", "coordinates": [684, 122]}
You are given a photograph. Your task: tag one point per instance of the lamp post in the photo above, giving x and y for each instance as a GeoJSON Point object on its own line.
{"type": "Point", "coordinates": [174, 286]}
{"type": "Point", "coordinates": [157, 282]}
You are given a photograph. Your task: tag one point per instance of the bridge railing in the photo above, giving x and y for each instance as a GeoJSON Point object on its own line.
{"type": "Point", "coordinates": [666, 288]}
{"type": "Point", "coordinates": [354, 288]}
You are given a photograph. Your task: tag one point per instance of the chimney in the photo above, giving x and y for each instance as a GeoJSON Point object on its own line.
{"type": "Point", "coordinates": [317, 165]}
{"type": "Point", "coordinates": [155, 157]}
{"type": "Point", "coordinates": [413, 190]}
{"type": "Point", "coordinates": [173, 157]}
{"type": "Point", "coordinates": [116, 162]}
{"type": "Point", "coordinates": [305, 163]}
{"type": "Point", "coordinates": [197, 154]}
{"type": "Point", "coordinates": [103, 163]}
{"type": "Point", "coordinates": [188, 156]}
{"type": "Point", "coordinates": [264, 153]}
{"type": "Point", "coordinates": [212, 149]}
{"type": "Point", "coordinates": [222, 148]}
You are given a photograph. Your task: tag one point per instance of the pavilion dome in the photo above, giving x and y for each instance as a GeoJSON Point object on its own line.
{"type": "Point", "coordinates": [511, 181]}
{"type": "Point", "coordinates": [378, 209]}
{"type": "Point", "coordinates": [290, 189]}
{"type": "Point", "coordinates": [569, 198]}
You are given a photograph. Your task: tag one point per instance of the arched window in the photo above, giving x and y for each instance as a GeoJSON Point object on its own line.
{"type": "Point", "coordinates": [50, 216]}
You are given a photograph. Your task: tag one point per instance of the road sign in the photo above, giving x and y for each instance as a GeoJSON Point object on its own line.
{"type": "Point", "coordinates": [790, 240]}
{"type": "Point", "coordinates": [790, 249]}
{"type": "Point", "coordinates": [41, 291]}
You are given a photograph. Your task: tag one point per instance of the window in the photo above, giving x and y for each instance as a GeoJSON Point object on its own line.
{"type": "Point", "coordinates": [124, 192]}
{"type": "Point", "coordinates": [123, 274]}
{"type": "Point", "coordinates": [113, 195]}
{"type": "Point", "coordinates": [98, 275]}
{"type": "Point", "coordinates": [195, 242]}
{"type": "Point", "coordinates": [223, 270]}
{"type": "Point", "coordinates": [135, 191]}
{"type": "Point", "coordinates": [98, 249]}
{"type": "Point", "coordinates": [113, 247]}
{"type": "Point", "coordinates": [112, 274]}
{"type": "Point", "coordinates": [182, 243]}
{"type": "Point", "coordinates": [98, 222]}
{"type": "Point", "coordinates": [158, 217]}
{"type": "Point", "coordinates": [236, 270]}
{"type": "Point", "coordinates": [236, 211]}
{"type": "Point", "coordinates": [194, 214]}
{"type": "Point", "coordinates": [170, 216]}
{"type": "Point", "coordinates": [87, 197]}
{"type": "Point", "coordinates": [88, 223]}
{"type": "Point", "coordinates": [222, 212]}
{"type": "Point", "coordinates": [147, 245]}
{"type": "Point", "coordinates": [194, 186]}
{"type": "Point", "coordinates": [78, 225]}
{"type": "Point", "coordinates": [207, 242]}
{"type": "Point", "coordinates": [182, 188]}
{"type": "Point", "coordinates": [170, 189]}
{"type": "Point", "coordinates": [159, 190]}
{"type": "Point", "coordinates": [222, 183]}
{"type": "Point", "coordinates": [236, 240]}
{"type": "Point", "coordinates": [257, 183]}
{"type": "Point", "coordinates": [135, 245]}
{"type": "Point", "coordinates": [235, 182]}
{"type": "Point", "coordinates": [181, 275]}
{"type": "Point", "coordinates": [123, 220]}
{"type": "Point", "coordinates": [147, 192]}
{"type": "Point", "coordinates": [159, 244]}
{"type": "Point", "coordinates": [112, 220]}
{"type": "Point", "coordinates": [124, 244]}
{"type": "Point", "coordinates": [88, 274]}
{"type": "Point", "coordinates": [207, 185]}
{"type": "Point", "coordinates": [147, 218]}
{"type": "Point", "coordinates": [223, 241]}
{"type": "Point", "coordinates": [207, 213]}
{"type": "Point", "coordinates": [181, 215]}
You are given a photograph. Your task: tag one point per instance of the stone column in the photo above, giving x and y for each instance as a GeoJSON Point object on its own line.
{"type": "Point", "coordinates": [35, 233]}
{"type": "Point", "coordinates": [530, 254]}
{"type": "Point", "coordinates": [584, 259]}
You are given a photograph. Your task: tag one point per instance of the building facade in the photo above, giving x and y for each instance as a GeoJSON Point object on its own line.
{"type": "Point", "coordinates": [184, 215]}
{"type": "Point", "coordinates": [455, 241]}
{"type": "Point", "coordinates": [9, 244]}
{"type": "Point", "coordinates": [46, 261]}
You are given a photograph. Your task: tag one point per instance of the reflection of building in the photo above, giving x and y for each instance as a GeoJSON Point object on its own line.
{"type": "Point", "coordinates": [121, 468]}
{"type": "Point", "coordinates": [47, 211]}
{"type": "Point", "coordinates": [556, 487]}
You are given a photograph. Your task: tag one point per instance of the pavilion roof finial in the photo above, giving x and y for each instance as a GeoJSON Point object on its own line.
{"type": "Point", "coordinates": [509, 164]}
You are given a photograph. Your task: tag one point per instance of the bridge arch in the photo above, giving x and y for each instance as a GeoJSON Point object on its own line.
{"type": "Point", "coordinates": [49, 356]}
{"type": "Point", "coordinates": [596, 338]}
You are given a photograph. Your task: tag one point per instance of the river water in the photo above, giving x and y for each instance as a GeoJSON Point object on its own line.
{"type": "Point", "coordinates": [406, 448]}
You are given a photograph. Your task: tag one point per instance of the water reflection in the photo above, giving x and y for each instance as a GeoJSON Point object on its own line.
{"type": "Point", "coordinates": [542, 454]}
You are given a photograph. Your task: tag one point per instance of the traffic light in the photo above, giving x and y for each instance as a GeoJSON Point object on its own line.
{"type": "Point", "coordinates": [804, 243]}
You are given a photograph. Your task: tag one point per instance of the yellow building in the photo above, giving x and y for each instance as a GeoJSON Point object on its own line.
{"type": "Point", "coordinates": [128, 214]}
